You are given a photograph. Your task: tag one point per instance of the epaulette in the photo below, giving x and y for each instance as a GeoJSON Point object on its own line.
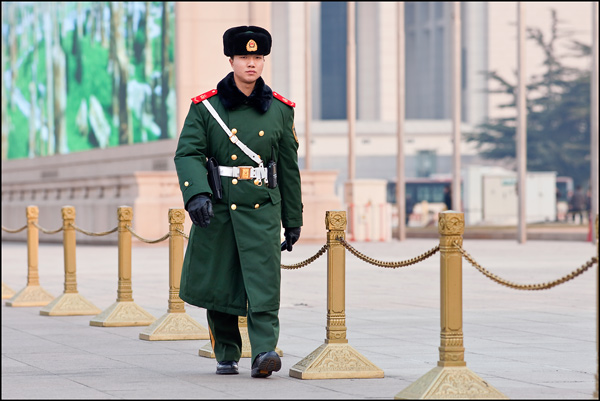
{"type": "Point", "coordinates": [284, 100]}
{"type": "Point", "coordinates": [204, 96]}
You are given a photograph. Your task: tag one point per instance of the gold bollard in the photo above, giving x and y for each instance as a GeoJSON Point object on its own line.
{"type": "Point", "coordinates": [7, 292]}
{"type": "Point", "coordinates": [33, 294]}
{"type": "Point", "coordinates": [335, 359]}
{"type": "Point", "coordinates": [176, 324]}
{"type": "Point", "coordinates": [70, 303]}
{"type": "Point", "coordinates": [124, 312]}
{"type": "Point", "coordinates": [451, 378]}
{"type": "Point", "coordinates": [208, 352]}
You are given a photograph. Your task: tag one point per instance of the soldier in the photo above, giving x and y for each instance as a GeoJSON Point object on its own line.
{"type": "Point", "coordinates": [237, 165]}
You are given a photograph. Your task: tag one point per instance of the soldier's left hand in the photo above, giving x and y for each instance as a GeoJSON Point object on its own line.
{"type": "Point", "coordinates": [291, 235]}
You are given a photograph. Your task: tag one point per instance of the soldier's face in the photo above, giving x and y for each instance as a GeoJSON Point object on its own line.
{"type": "Point", "coordinates": [247, 68]}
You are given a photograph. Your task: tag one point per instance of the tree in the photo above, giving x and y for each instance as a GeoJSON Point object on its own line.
{"type": "Point", "coordinates": [558, 114]}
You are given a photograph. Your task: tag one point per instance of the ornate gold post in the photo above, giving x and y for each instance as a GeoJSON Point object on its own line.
{"type": "Point", "coordinates": [7, 292]}
{"type": "Point", "coordinates": [335, 359]}
{"type": "Point", "coordinates": [124, 312]}
{"type": "Point", "coordinates": [33, 294]}
{"type": "Point", "coordinates": [451, 378]}
{"type": "Point", "coordinates": [176, 324]}
{"type": "Point", "coordinates": [70, 303]}
{"type": "Point", "coordinates": [207, 350]}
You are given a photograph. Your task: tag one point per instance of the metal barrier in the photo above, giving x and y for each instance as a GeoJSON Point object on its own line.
{"type": "Point", "coordinates": [176, 324]}
{"type": "Point", "coordinates": [33, 294]}
{"type": "Point", "coordinates": [70, 302]}
{"type": "Point", "coordinates": [124, 312]}
{"type": "Point", "coordinates": [335, 358]}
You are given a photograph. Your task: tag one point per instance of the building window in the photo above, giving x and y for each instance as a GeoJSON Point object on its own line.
{"type": "Point", "coordinates": [333, 60]}
{"type": "Point", "coordinates": [426, 163]}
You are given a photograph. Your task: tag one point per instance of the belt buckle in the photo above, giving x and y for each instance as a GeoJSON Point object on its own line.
{"type": "Point", "coordinates": [244, 173]}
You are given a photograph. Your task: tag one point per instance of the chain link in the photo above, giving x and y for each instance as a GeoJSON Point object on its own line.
{"type": "Point", "coordinates": [93, 234]}
{"type": "Point", "coordinates": [18, 230]}
{"type": "Point", "coordinates": [47, 231]}
{"type": "Point", "coordinates": [529, 287]}
{"type": "Point", "coordinates": [148, 241]}
{"type": "Point", "coordinates": [392, 265]}
{"type": "Point", "coordinates": [182, 233]}
{"type": "Point", "coordinates": [307, 261]}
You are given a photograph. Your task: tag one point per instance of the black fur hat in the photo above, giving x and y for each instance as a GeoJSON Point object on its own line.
{"type": "Point", "coordinates": [242, 40]}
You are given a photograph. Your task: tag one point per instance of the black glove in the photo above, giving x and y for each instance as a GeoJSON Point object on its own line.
{"type": "Point", "coordinates": [200, 209]}
{"type": "Point", "coordinates": [291, 236]}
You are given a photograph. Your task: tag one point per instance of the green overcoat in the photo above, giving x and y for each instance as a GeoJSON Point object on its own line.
{"type": "Point", "coordinates": [237, 258]}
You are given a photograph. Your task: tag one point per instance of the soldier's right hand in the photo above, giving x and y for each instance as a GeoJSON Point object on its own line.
{"type": "Point", "coordinates": [200, 209]}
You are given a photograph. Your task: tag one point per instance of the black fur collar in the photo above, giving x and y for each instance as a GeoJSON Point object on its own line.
{"type": "Point", "coordinates": [231, 97]}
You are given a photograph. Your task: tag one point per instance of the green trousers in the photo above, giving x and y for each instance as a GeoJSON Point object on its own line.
{"type": "Point", "coordinates": [263, 330]}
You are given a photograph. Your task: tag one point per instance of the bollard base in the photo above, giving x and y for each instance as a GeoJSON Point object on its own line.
{"type": "Point", "coordinates": [7, 292]}
{"type": "Point", "coordinates": [175, 326]}
{"type": "Point", "coordinates": [450, 382]}
{"type": "Point", "coordinates": [121, 314]}
{"type": "Point", "coordinates": [208, 352]}
{"type": "Point", "coordinates": [32, 295]}
{"type": "Point", "coordinates": [69, 304]}
{"type": "Point", "coordinates": [335, 361]}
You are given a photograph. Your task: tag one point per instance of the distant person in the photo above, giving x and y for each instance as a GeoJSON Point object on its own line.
{"type": "Point", "coordinates": [448, 197]}
{"type": "Point", "coordinates": [558, 195]}
{"type": "Point", "coordinates": [410, 204]}
{"type": "Point", "coordinates": [577, 203]}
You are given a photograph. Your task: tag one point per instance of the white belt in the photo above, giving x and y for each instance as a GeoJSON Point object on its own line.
{"type": "Point", "coordinates": [244, 172]}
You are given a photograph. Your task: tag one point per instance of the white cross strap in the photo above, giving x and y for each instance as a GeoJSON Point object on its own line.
{"type": "Point", "coordinates": [233, 138]}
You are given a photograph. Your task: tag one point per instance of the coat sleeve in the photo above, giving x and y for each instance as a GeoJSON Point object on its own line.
{"type": "Point", "coordinates": [289, 174]}
{"type": "Point", "coordinates": [190, 156]}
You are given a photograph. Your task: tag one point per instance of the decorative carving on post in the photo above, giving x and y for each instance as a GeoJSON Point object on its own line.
{"type": "Point", "coordinates": [124, 312]}
{"type": "Point", "coordinates": [70, 303]}
{"type": "Point", "coordinates": [335, 359]}
{"type": "Point", "coordinates": [176, 324]}
{"type": "Point", "coordinates": [33, 294]}
{"type": "Point", "coordinates": [450, 378]}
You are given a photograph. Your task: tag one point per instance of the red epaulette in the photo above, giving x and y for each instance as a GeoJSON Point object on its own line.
{"type": "Point", "coordinates": [284, 100]}
{"type": "Point", "coordinates": [204, 96]}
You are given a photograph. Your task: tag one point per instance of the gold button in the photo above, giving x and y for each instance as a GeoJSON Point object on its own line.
{"type": "Point", "coordinates": [234, 131]}
{"type": "Point", "coordinates": [256, 206]}
{"type": "Point", "coordinates": [261, 133]}
{"type": "Point", "coordinates": [233, 157]}
{"type": "Point", "coordinates": [234, 181]}
{"type": "Point", "coordinates": [233, 206]}
{"type": "Point", "coordinates": [187, 184]}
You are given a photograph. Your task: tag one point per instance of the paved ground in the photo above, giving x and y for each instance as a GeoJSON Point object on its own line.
{"type": "Point", "coordinates": [526, 344]}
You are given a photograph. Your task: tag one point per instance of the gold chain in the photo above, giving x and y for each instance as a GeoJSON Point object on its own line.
{"type": "Point", "coordinates": [148, 241]}
{"type": "Point", "coordinates": [182, 233]}
{"type": "Point", "coordinates": [18, 230]}
{"type": "Point", "coordinates": [47, 231]}
{"type": "Point", "coordinates": [93, 234]}
{"type": "Point", "coordinates": [307, 261]}
{"type": "Point", "coordinates": [392, 265]}
{"type": "Point", "coordinates": [529, 287]}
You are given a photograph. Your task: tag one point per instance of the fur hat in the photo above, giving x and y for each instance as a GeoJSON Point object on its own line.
{"type": "Point", "coordinates": [242, 40]}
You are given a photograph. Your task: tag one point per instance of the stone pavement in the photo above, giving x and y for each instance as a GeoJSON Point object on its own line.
{"type": "Point", "coordinates": [526, 344]}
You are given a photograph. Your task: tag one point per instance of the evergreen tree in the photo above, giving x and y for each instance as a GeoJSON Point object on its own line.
{"type": "Point", "coordinates": [558, 114]}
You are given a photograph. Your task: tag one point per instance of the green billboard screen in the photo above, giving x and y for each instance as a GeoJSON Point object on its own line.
{"type": "Point", "coordinates": [86, 75]}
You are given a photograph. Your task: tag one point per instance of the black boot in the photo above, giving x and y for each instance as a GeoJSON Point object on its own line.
{"type": "Point", "coordinates": [265, 364]}
{"type": "Point", "coordinates": [227, 368]}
